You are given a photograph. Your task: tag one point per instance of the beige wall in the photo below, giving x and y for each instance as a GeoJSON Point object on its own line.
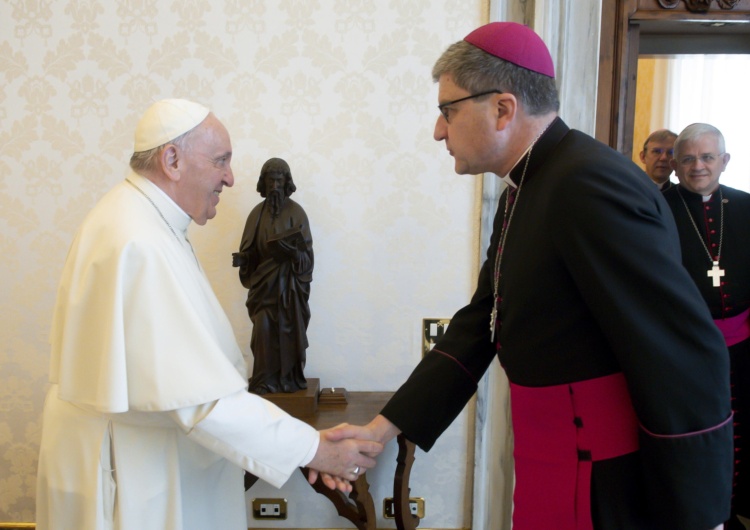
{"type": "Point", "coordinates": [340, 89]}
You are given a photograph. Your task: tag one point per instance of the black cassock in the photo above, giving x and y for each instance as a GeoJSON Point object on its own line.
{"type": "Point", "coordinates": [592, 285]}
{"type": "Point", "coordinates": [729, 299]}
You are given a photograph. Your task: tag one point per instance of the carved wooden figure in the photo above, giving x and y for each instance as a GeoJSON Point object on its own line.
{"type": "Point", "coordinates": [276, 263]}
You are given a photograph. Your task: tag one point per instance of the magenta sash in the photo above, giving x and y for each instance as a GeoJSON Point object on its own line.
{"type": "Point", "coordinates": [735, 329]}
{"type": "Point", "coordinates": [559, 431]}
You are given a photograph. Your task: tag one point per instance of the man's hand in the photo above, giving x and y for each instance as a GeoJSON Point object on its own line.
{"type": "Point", "coordinates": [343, 455]}
{"type": "Point", "coordinates": [379, 430]}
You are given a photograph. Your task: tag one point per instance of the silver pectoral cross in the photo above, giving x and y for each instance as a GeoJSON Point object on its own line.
{"type": "Point", "coordinates": [716, 273]}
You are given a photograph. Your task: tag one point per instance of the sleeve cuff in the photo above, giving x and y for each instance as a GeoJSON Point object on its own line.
{"type": "Point", "coordinates": [254, 434]}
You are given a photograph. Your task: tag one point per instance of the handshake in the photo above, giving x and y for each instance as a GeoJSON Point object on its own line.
{"type": "Point", "coordinates": [348, 451]}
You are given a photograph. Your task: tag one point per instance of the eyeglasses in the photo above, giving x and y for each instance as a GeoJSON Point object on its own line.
{"type": "Point", "coordinates": [444, 107]}
{"type": "Point", "coordinates": [706, 159]}
{"type": "Point", "coordinates": [658, 151]}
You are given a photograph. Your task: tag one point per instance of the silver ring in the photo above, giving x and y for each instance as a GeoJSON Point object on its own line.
{"type": "Point", "coordinates": [356, 470]}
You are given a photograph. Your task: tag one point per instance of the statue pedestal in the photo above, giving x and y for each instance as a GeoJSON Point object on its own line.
{"type": "Point", "coordinates": [299, 403]}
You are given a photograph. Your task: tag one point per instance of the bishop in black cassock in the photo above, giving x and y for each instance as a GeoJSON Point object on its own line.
{"type": "Point", "coordinates": [713, 222]}
{"type": "Point", "coordinates": [619, 377]}
{"type": "Point", "coordinates": [584, 296]}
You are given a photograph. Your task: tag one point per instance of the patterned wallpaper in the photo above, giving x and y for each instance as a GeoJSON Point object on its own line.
{"type": "Point", "coordinates": [341, 89]}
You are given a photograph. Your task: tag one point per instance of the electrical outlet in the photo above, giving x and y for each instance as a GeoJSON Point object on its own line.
{"type": "Point", "coordinates": [432, 331]}
{"type": "Point", "coordinates": [269, 509]}
{"type": "Point", "coordinates": [416, 506]}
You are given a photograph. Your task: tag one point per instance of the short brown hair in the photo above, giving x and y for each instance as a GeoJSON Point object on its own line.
{"type": "Point", "coordinates": [478, 71]}
{"type": "Point", "coordinates": [660, 135]}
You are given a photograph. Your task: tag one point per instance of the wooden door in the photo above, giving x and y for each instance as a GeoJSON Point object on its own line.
{"type": "Point", "coordinates": [718, 26]}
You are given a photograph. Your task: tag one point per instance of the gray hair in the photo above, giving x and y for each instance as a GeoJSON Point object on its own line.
{"type": "Point", "coordinates": [145, 161]}
{"type": "Point", "coordinates": [693, 131]}
{"type": "Point", "coordinates": [478, 71]}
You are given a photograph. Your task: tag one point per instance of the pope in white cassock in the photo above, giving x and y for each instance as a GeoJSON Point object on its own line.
{"type": "Point", "coordinates": [147, 423]}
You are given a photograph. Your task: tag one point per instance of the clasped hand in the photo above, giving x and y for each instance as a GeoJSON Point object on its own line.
{"type": "Point", "coordinates": [351, 450]}
{"type": "Point", "coordinates": [345, 452]}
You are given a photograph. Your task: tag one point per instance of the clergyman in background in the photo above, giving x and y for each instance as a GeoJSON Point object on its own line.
{"type": "Point", "coordinates": [657, 157]}
{"type": "Point", "coordinates": [713, 221]}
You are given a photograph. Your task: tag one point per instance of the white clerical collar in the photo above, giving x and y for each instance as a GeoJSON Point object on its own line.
{"type": "Point", "coordinates": [506, 178]}
{"type": "Point", "coordinates": [174, 215]}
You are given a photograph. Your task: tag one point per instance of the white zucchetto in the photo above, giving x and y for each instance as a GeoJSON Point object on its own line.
{"type": "Point", "coordinates": [165, 120]}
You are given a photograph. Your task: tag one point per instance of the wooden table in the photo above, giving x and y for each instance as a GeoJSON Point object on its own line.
{"type": "Point", "coordinates": [358, 506]}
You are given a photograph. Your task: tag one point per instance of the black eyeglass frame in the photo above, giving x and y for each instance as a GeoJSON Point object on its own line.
{"type": "Point", "coordinates": [443, 106]}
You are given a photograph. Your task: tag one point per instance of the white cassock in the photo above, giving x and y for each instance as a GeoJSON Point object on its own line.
{"type": "Point", "coordinates": [147, 424]}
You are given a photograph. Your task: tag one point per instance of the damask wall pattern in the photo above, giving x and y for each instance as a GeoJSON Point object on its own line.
{"type": "Point", "coordinates": [341, 89]}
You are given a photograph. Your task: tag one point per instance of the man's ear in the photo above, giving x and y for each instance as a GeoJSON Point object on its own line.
{"type": "Point", "coordinates": [506, 107]}
{"type": "Point", "coordinates": [643, 156]}
{"type": "Point", "coordinates": [170, 161]}
{"type": "Point", "coordinates": [725, 157]}
{"type": "Point", "coordinates": [673, 164]}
